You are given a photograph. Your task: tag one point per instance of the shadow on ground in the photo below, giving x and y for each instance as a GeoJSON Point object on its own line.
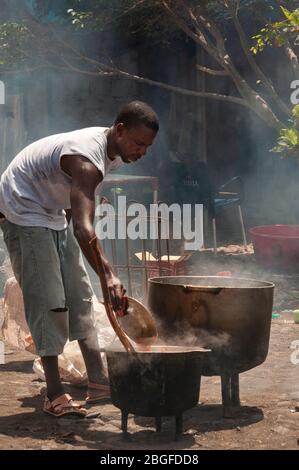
{"type": "Point", "coordinates": [207, 418]}
{"type": "Point", "coordinates": [102, 433]}
{"type": "Point", "coordinates": [17, 366]}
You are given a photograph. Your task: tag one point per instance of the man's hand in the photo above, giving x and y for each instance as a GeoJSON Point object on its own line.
{"type": "Point", "coordinates": [117, 292]}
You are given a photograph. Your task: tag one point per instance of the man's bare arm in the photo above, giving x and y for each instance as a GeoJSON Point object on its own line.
{"type": "Point", "coordinates": [85, 179]}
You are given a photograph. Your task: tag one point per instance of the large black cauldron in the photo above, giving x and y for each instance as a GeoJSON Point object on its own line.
{"type": "Point", "coordinates": [157, 383]}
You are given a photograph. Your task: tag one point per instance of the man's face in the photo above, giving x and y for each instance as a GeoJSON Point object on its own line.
{"type": "Point", "coordinates": [132, 142]}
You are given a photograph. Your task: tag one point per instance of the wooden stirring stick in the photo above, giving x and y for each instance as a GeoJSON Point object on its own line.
{"type": "Point", "coordinates": [94, 243]}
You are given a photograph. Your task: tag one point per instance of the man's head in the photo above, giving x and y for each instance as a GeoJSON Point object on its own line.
{"type": "Point", "coordinates": [135, 129]}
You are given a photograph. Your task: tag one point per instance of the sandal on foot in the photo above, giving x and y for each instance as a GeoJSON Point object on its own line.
{"type": "Point", "coordinates": [98, 393]}
{"type": "Point", "coordinates": [64, 405]}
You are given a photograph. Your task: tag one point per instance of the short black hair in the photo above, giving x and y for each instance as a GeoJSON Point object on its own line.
{"type": "Point", "coordinates": [137, 112]}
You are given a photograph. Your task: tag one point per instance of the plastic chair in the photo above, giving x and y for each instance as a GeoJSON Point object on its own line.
{"type": "Point", "coordinates": [224, 198]}
{"type": "Point", "coordinates": [191, 184]}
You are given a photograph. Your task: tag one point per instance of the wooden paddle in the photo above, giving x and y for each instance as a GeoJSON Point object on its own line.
{"type": "Point", "coordinates": [94, 244]}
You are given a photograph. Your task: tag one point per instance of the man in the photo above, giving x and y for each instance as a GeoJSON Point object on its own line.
{"type": "Point", "coordinates": [46, 184]}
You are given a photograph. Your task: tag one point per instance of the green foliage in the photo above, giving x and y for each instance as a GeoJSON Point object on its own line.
{"type": "Point", "coordinates": [279, 33]}
{"type": "Point", "coordinates": [133, 19]}
{"type": "Point", "coordinates": [79, 19]}
{"type": "Point", "coordinates": [295, 115]}
{"type": "Point", "coordinates": [14, 40]}
{"type": "Point", "coordinates": [288, 141]}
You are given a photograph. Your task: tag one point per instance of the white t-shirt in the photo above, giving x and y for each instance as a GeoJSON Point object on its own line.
{"type": "Point", "coordinates": [34, 190]}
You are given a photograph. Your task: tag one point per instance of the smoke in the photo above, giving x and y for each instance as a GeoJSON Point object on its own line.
{"type": "Point", "coordinates": [199, 338]}
{"type": "Point", "coordinates": [55, 101]}
{"type": "Point", "coordinates": [216, 340]}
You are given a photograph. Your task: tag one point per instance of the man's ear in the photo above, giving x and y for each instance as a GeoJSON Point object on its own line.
{"type": "Point", "coordinates": [120, 128]}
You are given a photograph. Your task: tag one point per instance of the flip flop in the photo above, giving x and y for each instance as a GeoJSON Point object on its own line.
{"type": "Point", "coordinates": [101, 393]}
{"type": "Point", "coordinates": [64, 405]}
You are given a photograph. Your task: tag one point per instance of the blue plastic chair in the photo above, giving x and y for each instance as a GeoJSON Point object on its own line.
{"type": "Point", "coordinates": [223, 198]}
{"type": "Point", "coordinates": [191, 183]}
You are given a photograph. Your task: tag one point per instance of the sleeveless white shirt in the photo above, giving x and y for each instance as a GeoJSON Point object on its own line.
{"type": "Point", "coordinates": [34, 190]}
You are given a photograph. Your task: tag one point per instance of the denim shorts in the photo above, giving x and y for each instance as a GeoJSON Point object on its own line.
{"type": "Point", "coordinates": [49, 267]}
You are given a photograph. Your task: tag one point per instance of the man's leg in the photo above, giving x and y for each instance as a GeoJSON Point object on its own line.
{"type": "Point", "coordinates": [36, 266]}
{"type": "Point", "coordinates": [93, 361]}
{"type": "Point", "coordinates": [54, 385]}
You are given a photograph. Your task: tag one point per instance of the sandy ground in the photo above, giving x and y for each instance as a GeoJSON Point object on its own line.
{"type": "Point", "coordinates": [267, 419]}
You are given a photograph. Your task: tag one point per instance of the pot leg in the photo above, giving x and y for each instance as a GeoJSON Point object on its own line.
{"type": "Point", "coordinates": [178, 426]}
{"type": "Point", "coordinates": [124, 424]}
{"type": "Point", "coordinates": [199, 402]}
{"type": "Point", "coordinates": [158, 423]}
{"type": "Point", "coordinates": [226, 395]}
{"type": "Point", "coordinates": [235, 390]}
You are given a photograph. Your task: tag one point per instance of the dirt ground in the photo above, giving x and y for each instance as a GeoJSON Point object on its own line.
{"type": "Point", "coordinates": [267, 419]}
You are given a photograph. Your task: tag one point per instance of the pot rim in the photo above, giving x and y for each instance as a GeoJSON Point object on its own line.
{"type": "Point", "coordinates": [162, 349]}
{"type": "Point", "coordinates": [161, 281]}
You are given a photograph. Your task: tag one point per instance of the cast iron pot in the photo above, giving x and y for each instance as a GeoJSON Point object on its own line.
{"type": "Point", "coordinates": [231, 316]}
{"type": "Point", "coordinates": [160, 382]}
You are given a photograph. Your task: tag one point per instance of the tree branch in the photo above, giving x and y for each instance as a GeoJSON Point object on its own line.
{"type": "Point", "coordinates": [183, 91]}
{"type": "Point", "coordinates": [293, 59]}
{"type": "Point", "coordinates": [211, 71]}
{"type": "Point", "coordinates": [212, 27]}
{"type": "Point", "coordinates": [106, 71]}
{"type": "Point", "coordinates": [256, 102]}
{"type": "Point", "coordinates": [25, 69]}
{"type": "Point", "coordinates": [260, 74]}
{"type": "Point", "coordinates": [199, 37]}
